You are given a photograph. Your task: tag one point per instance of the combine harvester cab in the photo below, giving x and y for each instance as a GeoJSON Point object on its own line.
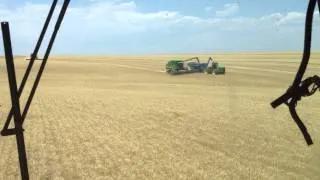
{"type": "Point", "coordinates": [174, 66]}
{"type": "Point", "coordinates": [184, 66]}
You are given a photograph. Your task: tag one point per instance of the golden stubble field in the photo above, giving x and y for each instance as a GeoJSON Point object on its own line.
{"type": "Point", "coordinates": [122, 117]}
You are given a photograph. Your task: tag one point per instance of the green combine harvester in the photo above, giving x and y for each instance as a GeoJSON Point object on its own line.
{"type": "Point", "coordinates": [193, 65]}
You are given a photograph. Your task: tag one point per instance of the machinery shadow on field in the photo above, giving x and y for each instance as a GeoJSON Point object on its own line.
{"type": "Point", "coordinates": [183, 73]}
{"type": "Point", "coordinates": [189, 73]}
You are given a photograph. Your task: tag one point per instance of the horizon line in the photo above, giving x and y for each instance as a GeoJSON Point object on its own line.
{"type": "Point", "coordinates": [167, 53]}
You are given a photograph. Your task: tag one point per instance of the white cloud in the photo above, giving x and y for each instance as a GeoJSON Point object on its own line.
{"type": "Point", "coordinates": [112, 17]}
{"type": "Point", "coordinates": [105, 20]}
{"type": "Point", "coordinates": [290, 17]}
{"type": "Point", "coordinates": [229, 10]}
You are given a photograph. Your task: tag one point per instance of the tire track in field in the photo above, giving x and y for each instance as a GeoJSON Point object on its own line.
{"type": "Point", "coordinates": [120, 65]}
{"type": "Point", "coordinates": [261, 69]}
{"type": "Point", "coordinates": [231, 67]}
{"type": "Point", "coordinates": [163, 71]}
{"type": "Point", "coordinates": [136, 67]}
{"type": "Point", "coordinates": [275, 64]}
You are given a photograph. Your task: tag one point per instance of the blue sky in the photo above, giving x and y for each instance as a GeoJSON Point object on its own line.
{"type": "Point", "coordinates": [163, 26]}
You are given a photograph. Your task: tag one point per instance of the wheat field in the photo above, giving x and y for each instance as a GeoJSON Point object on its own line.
{"type": "Point", "coordinates": [123, 117]}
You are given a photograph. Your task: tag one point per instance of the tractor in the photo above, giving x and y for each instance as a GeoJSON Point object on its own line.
{"type": "Point", "coordinates": [214, 67]}
{"type": "Point", "coordinates": [192, 65]}
{"type": "Point", "coordinates": [29, 58]}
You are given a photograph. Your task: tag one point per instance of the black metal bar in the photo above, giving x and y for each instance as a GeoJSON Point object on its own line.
{"type": "Point", "coordinates": [15, 101]}
{"type": "Point", "coordinates": [307, 44]}
{"type": "Point", "coordinates": [317, 80]}
{"type": "Point", "coordinates": [305, 58]}
{"type": "Point", "coordinates": [301, 126]}
{"type": "Point", "coordinates": [319, 6]}
{"type": "Point", "coordinates": [282, 99]}
{"type": "Point", "coordinates": [32, 59]}
{"type": "Point", "coordinates": [43, 64]}
{"type": "Point", "coordinates": [44, 29]}
{"type": "Point", "coordinates": [299, 88]}
{"type": "Point", "coordinates": [9, 132]}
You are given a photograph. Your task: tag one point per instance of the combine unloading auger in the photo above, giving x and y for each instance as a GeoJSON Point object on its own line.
{"type": "Point", "coordinates": [15, 93]}
{"type": "Point", "coordinates": [300, 88]}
